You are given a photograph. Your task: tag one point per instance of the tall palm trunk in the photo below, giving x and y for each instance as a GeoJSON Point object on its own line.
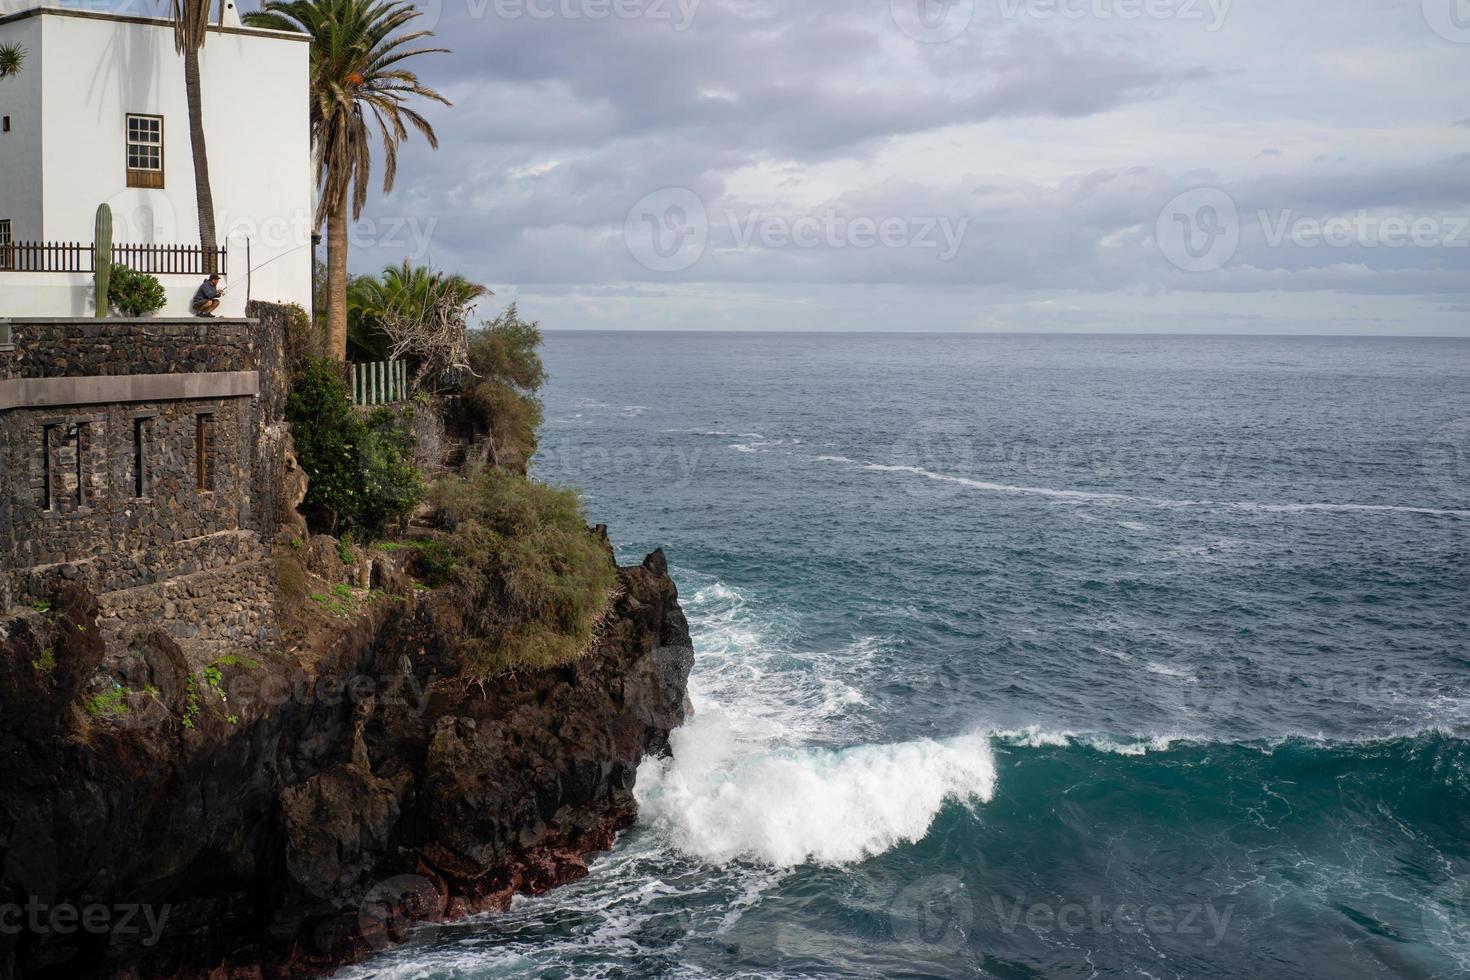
{"type": "Point", "coordinates": [337, 278]}
{"type": "Point", "coordinates": [203, 196]}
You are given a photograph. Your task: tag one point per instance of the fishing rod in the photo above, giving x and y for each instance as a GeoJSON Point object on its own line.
{"type": "Point", "coordinates": [255, 268]}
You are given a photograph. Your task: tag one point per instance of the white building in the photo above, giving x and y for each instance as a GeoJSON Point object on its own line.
{"type": "Point", "coordinates": [98, 114]}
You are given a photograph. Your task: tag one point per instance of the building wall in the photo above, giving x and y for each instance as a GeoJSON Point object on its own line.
{"type": "Point", "coordinates": [95, 513]}
{"type": "Point", "coordinates": [95, 70]}
{"type": "Point", "coordinates": [20, 149]}
{"type": "Point", "coordinates": [192, 559]}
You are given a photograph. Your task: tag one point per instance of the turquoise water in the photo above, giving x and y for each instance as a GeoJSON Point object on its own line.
{"type": "Point", "coordinates": [1029, 657]}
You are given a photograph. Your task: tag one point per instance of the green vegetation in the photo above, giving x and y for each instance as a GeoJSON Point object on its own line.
{"type": "Point", "coordinates": [191, 702]}
{"type": "Point", "coordinates": [361, 472]}
{"type": "Point", "coordinates": [358, 75]}
{"type": "Point", "coordinates": [102, 259]}
{"type": "Point", "coordinates": [337, 606]}
{"type": "Point", "coordinates": [537, 580]}
{"type": "Point", "coordinates": [12, 59]}
{"type": "Point", "coordinates": [501, 397]}
{"type": "Point", "coordinates": [407, 301]}
{"type": "Point", "coordinates": [41, 606]}
{"type": "Point", "coordinates": [45, 662]}
{"type": "Point", "coordinates": [135, 293]}
{"type": "Point", "coordinates": [305, 340]}
{"type": "Point", "coordinates": [431, 560]}
{"type": "Point", "coordinates": [109, 704]}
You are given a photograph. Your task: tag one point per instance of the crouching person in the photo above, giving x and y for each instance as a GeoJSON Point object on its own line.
{"type": "Point", "coordinates": [206, 299]}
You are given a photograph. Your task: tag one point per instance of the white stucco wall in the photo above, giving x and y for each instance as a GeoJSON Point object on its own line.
{"type": "Point", "coordinates": [20, 149]}
{"type": "Point", "coordinates": [94, 70]}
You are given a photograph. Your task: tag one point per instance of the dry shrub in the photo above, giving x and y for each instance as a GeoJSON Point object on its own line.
{"type": "Point", "coordinates": [537, 581]}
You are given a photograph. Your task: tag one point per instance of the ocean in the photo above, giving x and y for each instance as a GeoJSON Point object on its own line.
{"type": "Point", "coordinates": [1028, 656]}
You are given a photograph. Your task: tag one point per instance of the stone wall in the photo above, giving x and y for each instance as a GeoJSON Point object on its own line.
{"type": "Point", "coordinates": [82, 348]}
{"type": "Point", "coordinates": [210, 613]}
{"type": "Point", "coordinates": [274, 452]}
{"type": "Point", "coordinates": [125, 497]}
{"type": "Point", "coordinates": [103, 515]}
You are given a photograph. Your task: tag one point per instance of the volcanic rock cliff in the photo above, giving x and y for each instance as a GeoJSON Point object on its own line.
{"type": "Point", "coordinates": [283, 814]}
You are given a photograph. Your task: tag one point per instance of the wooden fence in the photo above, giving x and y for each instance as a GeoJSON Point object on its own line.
{"type": "Point", "coordinates": [185, 260]}
{"type": "Point", "coordinates": [379, 382]}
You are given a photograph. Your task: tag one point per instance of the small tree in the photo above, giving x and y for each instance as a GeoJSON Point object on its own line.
{"type": "Point", "coordinates": [361, 475]}
{"type": "Point", "coordinates": [358, 77]}
{"type": "Point", "coordinates": [500, 397]}
{"type": "Point", "coordinates": [420, 314]}
{"type": "Point", "coordinates": [135, 293]}
{"type": "Point", "coordinates": [12, 58]}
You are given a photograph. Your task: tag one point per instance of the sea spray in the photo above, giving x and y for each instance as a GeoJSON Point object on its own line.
{"type": "Point", "coordinates": [722, 800]}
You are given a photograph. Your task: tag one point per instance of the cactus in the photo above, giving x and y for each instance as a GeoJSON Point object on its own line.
{"type": "Point", "coordinates": [102, 256]}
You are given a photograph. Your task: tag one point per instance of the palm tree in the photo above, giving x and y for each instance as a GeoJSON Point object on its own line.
{"type": "Point", "coordinates": [191, 27]}
{"type": "Point", "coordinates": [403, 293]}
{"type": "Point", "coordinates": [12, 56]}
{"type": "Point", "coordinates": [356, 70]}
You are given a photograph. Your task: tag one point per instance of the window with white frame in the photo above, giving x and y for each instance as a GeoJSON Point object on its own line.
{"type": "Point", "coordinates": [145, 150]}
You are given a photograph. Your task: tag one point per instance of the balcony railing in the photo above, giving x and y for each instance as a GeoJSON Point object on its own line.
{"type": "Point", "coordinates": [379, 382]}
{"type": "Point", "coordinates": [158, 260]}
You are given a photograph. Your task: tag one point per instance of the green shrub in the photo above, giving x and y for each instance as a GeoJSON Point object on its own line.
{"type": "Point", "coordinates": [135, 293]}
{"type": "Point", "coordinates": [110, 703]}
{"type": "Point", "coordinates": [537, 580]}
{"type": "Point", "coordinates": [510, 418]}
{"type": "Point", "coordinates": [361, 474]}
{"type": "Point", "coordinates": [501, 397]}
{"type": "Point", "coordinates": [392, 485]}
{"type": "Point", "coordinates": [435, 563]}
{"type": "Point", "coordinates": [306, 341]}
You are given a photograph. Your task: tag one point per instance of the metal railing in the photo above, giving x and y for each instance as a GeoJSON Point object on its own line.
{"type": "Point", "coordinates": [155, 260]}
{"type": "Point", "coordinates": [379, 382]}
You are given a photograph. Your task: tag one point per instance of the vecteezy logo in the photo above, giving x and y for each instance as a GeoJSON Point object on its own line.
{"type": "Point", "coordinates": [932, 21]}
{"type": "Point", "coordinates": [933, 911]}
{"type": "Point", "coordinates": [1199, 231]}
{"type": "Point", "coordinates": [935, 456]}
{"type": "Point", "coordinates": [1450, 19]}
{"type": "Point", "coordinates": [1204, 689]}
{"type": "Point", "coordinates": [668, 230]}
{"type": "Point", "coordinates": [143, 219]}
{"type": "Point", "coordinates": [1446, 460]}
{"type": "Point", "coordinates": [399, 909]}
{"type": "Point", "coordinates": [1446, 918]}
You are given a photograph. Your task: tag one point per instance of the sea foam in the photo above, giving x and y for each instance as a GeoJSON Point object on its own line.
{"type": "Point", "coordinates": [1162, 502]}
{"type": "Point", "coordinates": [722, 800]}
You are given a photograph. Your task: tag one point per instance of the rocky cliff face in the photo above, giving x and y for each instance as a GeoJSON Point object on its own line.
{"type": "Point", "coordinates": [282, 814]}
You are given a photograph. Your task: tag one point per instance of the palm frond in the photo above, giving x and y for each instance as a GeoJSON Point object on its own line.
{"type": "Point", "coordinates": [357, 83]}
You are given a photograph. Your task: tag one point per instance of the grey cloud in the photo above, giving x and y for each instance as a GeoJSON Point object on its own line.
{"type": "Point", "coordinates": [560, 125]}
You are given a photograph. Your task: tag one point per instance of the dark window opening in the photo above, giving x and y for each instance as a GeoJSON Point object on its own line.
{"type": "Point", "coordinates": [204, 452]}
{"type": "Point", "coordinates": [4, 124]}
{"type": "Point", "coordinates": [140, 456]}
{"type": "Point", "coordinates": [78, 435]}
{"type": "Point", "coordinates": [48, 501]}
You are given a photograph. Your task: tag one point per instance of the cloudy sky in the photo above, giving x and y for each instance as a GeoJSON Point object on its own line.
{"type": "Point", "coordinates": [1251, 166]}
